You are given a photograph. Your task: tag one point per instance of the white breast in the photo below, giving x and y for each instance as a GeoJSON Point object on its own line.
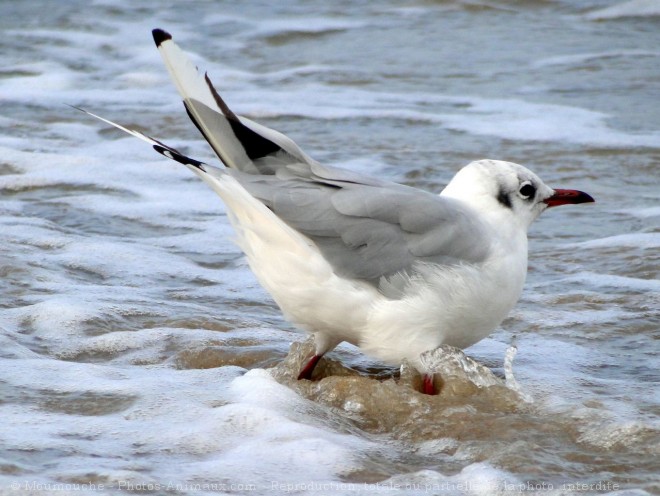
{"type": "Point", "coordinates": [458, 306]}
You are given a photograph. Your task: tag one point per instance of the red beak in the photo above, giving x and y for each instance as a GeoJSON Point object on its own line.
{"type": "Point", "coordinates": [568, 196]}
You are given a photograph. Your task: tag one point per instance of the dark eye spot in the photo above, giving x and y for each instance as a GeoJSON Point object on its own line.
{"type": "Point", "coordinates": [504, 199]}
{"type": "Point", "coordinates": [527, 191]}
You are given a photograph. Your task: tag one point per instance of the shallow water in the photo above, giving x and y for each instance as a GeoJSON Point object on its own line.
{"type": "Point", "coordinates": [138, 353]}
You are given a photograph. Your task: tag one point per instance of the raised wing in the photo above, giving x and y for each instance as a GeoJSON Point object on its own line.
{"type": "Point", "coordinates": [367, 228]}
{"type": "Point", "coordinates": [239, 142]}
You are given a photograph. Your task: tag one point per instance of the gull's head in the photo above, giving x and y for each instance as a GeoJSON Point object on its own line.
{"type": "Point", "coordinates": [507, 189]}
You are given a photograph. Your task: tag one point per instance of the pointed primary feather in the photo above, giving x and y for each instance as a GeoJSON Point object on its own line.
{"type": "Point", "coordinates": [239, 142]}
{"type": "Point", "coordinates": [159, 146]}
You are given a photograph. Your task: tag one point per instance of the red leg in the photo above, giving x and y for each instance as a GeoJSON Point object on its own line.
{"type": "Point", "coordinates": [427, 385]}
{"type": "Point", "coordinates": [306, 372]}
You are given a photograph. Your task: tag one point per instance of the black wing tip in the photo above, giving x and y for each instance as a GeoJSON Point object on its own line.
{"type": "Point", "coordinates": [160, 36]}
{"type": "Point", "coordinates": [173, 154]}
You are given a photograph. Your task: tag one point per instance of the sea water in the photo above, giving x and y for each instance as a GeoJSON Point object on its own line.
{"type": "Point", "coordinates": [139, 354]}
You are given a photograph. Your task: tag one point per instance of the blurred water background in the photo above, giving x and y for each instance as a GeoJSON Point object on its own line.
{"type": "Point", "coordinates": [135, 343]}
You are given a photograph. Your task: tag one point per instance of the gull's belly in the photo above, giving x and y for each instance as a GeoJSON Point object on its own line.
{"type": "Point", "coordinates": [458, 306]}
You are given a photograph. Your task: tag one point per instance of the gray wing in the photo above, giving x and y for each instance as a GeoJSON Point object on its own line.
{"type": "Point", "coordinates": [369, 229]}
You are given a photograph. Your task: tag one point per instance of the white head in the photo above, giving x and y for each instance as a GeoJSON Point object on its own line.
{"type": "Point", "coordinates": [504, 188]}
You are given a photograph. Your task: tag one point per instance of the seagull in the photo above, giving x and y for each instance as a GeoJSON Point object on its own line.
{"type": "Point", "coordinates": [394, 270]}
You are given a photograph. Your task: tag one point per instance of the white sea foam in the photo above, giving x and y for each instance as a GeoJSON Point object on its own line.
{"type": "Point", "coordinates": [220, 413]}
{"type": "Point", "coordinates": [632, 8]}
{"type": "Point", "coordinates": [276, 26]}
{"type": "Point", "coordinates": [615, 281]}
{"type": "Point", "coordinates": [306, 25]}
{"type": "Point", "coordinates": [519, 120]}
{"type": "Point", "coordinates": [634, 240]}
{"type": "Point", "coordinates": [644, 213]}
{"type": "Point", "coordinates": [578, 59]}
{"type": "Point", "coordinates": [505, 118]}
